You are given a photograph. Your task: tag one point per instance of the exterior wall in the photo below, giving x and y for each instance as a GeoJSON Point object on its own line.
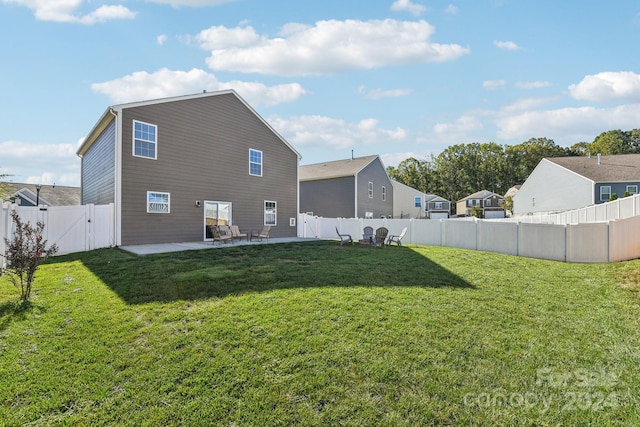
{"type": "Point", "coordinates": [329, 197]}
{"type": "Point", "coordinates": [98, 169]}
{"type": "Point", "coordinates": [552, 188]}
{"type": "Point", "coordinates": [404, 201]}
{"type": "Point", "coordinates": [616, 187]}
{"type": "Point", "coordinates": [374, 172]}
{"type": "Point", "coordinates": [203, 154]}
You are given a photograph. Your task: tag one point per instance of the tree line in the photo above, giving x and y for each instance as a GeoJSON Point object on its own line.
{"type": "Point", "coordinates": [463, 169]}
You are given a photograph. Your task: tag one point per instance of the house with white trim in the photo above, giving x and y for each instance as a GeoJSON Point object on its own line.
{"type": "Point", "coordinates": [564, 183]}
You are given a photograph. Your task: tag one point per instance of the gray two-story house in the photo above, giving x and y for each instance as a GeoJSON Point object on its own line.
{"type": "Point", "coordinates": [488, 204]}
{"type": "Point", "coordinates": [353, 188]}
{"type": "Point", "coordinates": [173, 166]}
{"type": "Point", "coordinates": [564, 183]}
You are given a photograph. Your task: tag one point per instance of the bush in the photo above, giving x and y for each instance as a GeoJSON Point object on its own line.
{"type": "Point", "coordinates": [24, 254]}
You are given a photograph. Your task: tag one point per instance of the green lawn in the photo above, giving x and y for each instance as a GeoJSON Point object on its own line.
{"type": "Point", "coordinates": [318, 334]}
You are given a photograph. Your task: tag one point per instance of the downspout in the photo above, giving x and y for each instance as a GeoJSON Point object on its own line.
{"type": "Point", "coordinates": [355, 196]}
{"type": "Point", "coordinates": [117, 187]}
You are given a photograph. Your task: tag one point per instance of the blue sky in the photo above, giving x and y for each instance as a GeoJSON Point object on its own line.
{"type": "Point", "coordinates": [403, 78]}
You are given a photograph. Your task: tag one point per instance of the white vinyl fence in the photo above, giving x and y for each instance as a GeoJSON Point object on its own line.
{"type": "Point", "coordinates": [595, 242]}
{"type": "Point", "coordinates": [72, 228]}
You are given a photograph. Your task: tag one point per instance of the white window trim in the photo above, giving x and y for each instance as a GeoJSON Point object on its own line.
{"type": "Point", "coordinates": [168, 202]}
{"type": "Point", "coordinates": [133, 140]}
{"type": "Point", "coordinates": [634, 191]}
{"type": "Point", "coordinates": [275, 218]}
{"type": "Point", "coordinates": [261, 162]}
{"type": "Point", "coordinates": [384, 193]}
{"type": "Point", "coordinates": [601, 192]}
{"type": "Point", "coordinates": [370, 189]}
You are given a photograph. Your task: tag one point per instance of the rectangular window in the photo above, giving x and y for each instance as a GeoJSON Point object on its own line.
{"type": "Point", "coordinates": [417, 201]}
{"type": "Point", "coordinates": [145, 140]}
{"type": "Point", "coordinates": [384, 193]}
{"type": "Point", "coordinates": [158, 202]}
{"type": "Point", "coordinates": [605, 193]}
{"type": "Point", "coordinates": [255, 162]}
{"type": "Point", "coordinates": [438, 205]}
{"type": "Point", "coordinates": [632, 189]}
{"type": "Point", "coordinates": [270, 213]}
{"type": "Point", "coordinates": [370, 190]}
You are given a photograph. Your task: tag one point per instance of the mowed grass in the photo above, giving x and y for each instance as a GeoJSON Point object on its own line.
{"type": "Point", "coordinates": [317, 334]}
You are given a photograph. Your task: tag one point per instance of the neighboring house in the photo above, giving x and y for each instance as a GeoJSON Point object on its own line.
{"type": "Point", "coordinates": [172, 166]}
{"type": "Point", "coordinates": [490, 204]}
{"type": "Point", "coordinates": [352, 188]}
{"type": "Point", "coordinates": [49, 195]}
{"type": "Point", "coordinates": [437, 207]}
{"type": "Point", "coordinates": [408, 202]}
{"type": "Point", "coordinates": [564, 183]}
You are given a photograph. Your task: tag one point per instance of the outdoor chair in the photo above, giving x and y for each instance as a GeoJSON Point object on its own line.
{"type": "Point", "coordinates": [236, 234]}
{"type": "Point", "coordinates": [219, 235]}
{"type": "Point", "coordinates": [367, 236]}
{"type": "Point", "coordinates": [264, 234]}
{"type": "Point", "coordinates": [396, 239]}
{"type": "Point", "coordinates": [344, 238]}
{"type": "Point", "coordinates": [380, 237]}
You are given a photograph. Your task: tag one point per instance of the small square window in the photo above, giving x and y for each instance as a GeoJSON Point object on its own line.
{"type": "Point", "coordinates": [632, 189]}
{"type": "Point", "coordinates": [158, 202]}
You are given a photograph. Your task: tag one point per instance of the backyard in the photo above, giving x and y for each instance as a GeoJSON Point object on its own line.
{"type": "Point", "coordinates": [314, 333]}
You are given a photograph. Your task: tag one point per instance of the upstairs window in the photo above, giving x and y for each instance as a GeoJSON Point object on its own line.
{"type": "Point", "coordinates": [438, 205]}
{"type": "Point", "coordinates": [145, 140]}
{"type": "Point", "coordinates": [158, 202]}
{"type": "Point", "coordinates": [605, 193]}
{"type": "Point", "coordinates": [417, 201]}
{"type": "Point", "coordinates": [632, 189]}
{"type": "Point", "coordinates": [255, 162]}
{"type": "Point", "coordinates": [384, 193]}
{"type": "Point", "coordinates": [370, 190]}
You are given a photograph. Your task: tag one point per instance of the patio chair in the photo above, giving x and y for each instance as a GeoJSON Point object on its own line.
{"type": "Point", "coordinates": [264, 234]}
{"type": "Point", "coordinates": [236, 234]}
{"type": "Point", "coordinates": [344, 238]}
{"type": "Point", "coordinates": [219, 235]}
{"type": "Point", "coordinates": [367, 236]}
{"type": "Point", "coordinates": [396, 239]}
{"type": "Point", "coordinates": [380, 237]}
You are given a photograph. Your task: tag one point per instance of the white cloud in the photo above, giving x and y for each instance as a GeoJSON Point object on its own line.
{"type": "Point", "coordinates": [191, 3]}
{"type": "Point", "coordinates": [493, 84]}
{"type": "Point", "coordinates": [533, 85]}
{"type": "Point", "coordinates": [506, 45]}
{"type": "Point", "coordinates": [34, 162]}
{"type": "Point", "coordinates": [462, 125]}
{"type": "Point", "coordinates": [325, 48]}
{"type": "Point", "coordinates": [524, 104]}
{"type": "Point", "coordinates": [161, 39]}
{"type": "Point", "coordinates": [608, 86]}
{"type": "Point", "coordinates": [65, 11]}
{"type": "Point", "coordinates": [408, 6]}
{"type": "Point", "coordinates": [382, 93]}
{"type": "Point", "coordinates": [322, 131]}
{"type": "Point", "coordinates": [570, 124]}
{"type": "Point", "coordinates": [164, 82]}
{"type": "Point", "coordinates": [451, 10]}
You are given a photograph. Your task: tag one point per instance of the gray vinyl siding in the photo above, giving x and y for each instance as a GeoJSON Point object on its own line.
{"type": "Point", "coordinates": [330, 198]}
{"type": "Point", "coordinates": [616, 187]}
{"type": "Point", "coordinates": [98, 169]}
{"type": "Point", "coordinates": [203, 154]}
{"type": "Point", "coordinates": [374, 172]}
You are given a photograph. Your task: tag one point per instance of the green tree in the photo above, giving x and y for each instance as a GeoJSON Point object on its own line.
{"type": "Point", "coordinates": [24, 254]}
{"type": "Point", "coordinates": [412, 172]}
{"type": "Point", "coordinates": [522, 159]}
{"type": "Point", "coordinates": [5, 192]}
{"type": "Point", "coordinates": [611, 142]}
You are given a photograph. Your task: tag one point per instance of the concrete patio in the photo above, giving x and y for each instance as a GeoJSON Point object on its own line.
{"type": "Point", "coordinates": [186, 246]}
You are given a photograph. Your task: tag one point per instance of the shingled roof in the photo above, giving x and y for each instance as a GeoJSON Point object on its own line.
{"type": "Point", "coordinates": [49, 195]}
{"type": "Point", "coordinates": [335, 169]}
{"type": "Point", "coordinates": [613, 168]}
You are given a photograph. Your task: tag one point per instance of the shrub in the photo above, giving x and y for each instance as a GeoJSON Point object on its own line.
{"type": "Point", "coordinates": [24, 254]}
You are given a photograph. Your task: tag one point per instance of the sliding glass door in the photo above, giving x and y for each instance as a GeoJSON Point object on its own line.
{"type": "Point", "coordinates": [216, 213]}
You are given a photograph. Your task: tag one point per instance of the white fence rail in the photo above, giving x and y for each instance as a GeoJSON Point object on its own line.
{"type": "Point", "coordinates": [595, 242]}
{"type": "Point", "coordinates": [72, 228]}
